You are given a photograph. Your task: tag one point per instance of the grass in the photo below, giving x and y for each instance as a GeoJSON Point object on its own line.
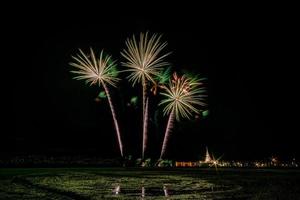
{"type": "Point", "coordinates": [99, 183]}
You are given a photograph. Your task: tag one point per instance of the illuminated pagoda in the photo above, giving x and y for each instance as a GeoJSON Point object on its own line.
{"type": "Point", "coordinates": [207, 157]}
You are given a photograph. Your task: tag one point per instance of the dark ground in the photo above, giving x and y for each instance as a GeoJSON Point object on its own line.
{"type": "Point", "coordinates": [98, 183]}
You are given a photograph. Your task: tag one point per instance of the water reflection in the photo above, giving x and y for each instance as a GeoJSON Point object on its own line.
{"type": "Point", "coordinates": [166, 192]}
{"type": "Point", "coordinates": [117, 189]}
{"type": "Point", "coordinates": [152, 191]}
{"type": "Point", "coordinates": [143, 191]}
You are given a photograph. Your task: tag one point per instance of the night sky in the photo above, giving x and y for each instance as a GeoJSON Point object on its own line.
{"type": "Point", "coordinates": [247, 55]}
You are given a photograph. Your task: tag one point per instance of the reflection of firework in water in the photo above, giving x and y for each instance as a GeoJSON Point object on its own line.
{"type": "Point", "coordinates": [165, 188]}
{"type": "Point", "coordinates": [143, 191]}
{"type": "Point", "coordinates": [117, 189]}
{"type": "Point", "coordinates": [182, 96]}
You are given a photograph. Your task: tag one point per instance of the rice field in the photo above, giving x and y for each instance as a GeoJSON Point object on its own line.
{"type": "Point", "coordinates": [148, 183]}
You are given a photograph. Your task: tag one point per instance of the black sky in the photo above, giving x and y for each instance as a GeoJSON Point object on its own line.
{"type": "Point", "coordinates": [248, 56]}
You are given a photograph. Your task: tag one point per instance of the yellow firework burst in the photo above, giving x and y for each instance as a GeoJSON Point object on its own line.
{"type": "Point", "coordinates": [95, 70]}
{"type": "Point", "coordinates": [182, 96]}
{"type": "Point", "coordinates": [143, 57]}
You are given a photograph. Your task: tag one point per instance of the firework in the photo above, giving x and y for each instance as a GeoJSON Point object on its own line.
{"type": "Point", "coordinates": [143, 58]}
{"type": "Point", "coordinates": [144, 62]}
{"type": "Point", "coordinates": [100, 71]}
{"type": "Point", "coordinates": [181, 98]}
{"type": "Point", "coordinates": [93, 70]}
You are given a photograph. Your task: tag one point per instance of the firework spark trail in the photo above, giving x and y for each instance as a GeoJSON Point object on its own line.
{"type": "Point", "coordinates": [145, 136]}
{"type": "Point", "coordinates": [167, 134]}
{"type": "Point", "coordinates": [114, 118]}
{"type": "Point", "coordinates": [145, 119]}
